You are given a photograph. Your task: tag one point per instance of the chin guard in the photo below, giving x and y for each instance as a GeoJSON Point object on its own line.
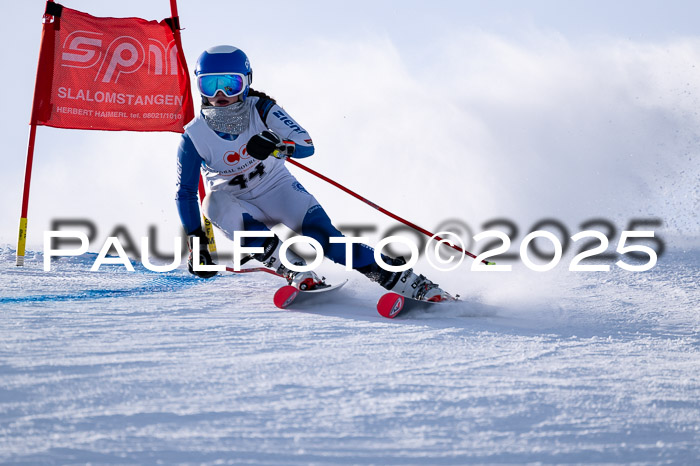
{"type": "Point", "coordinates": [231, 119]}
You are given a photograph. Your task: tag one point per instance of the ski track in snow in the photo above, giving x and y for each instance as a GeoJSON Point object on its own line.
{"type": "Point", "coordinates": [117, 367]}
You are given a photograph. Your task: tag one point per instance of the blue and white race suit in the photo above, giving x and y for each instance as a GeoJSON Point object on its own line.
{"type": "Point", "coordinates": [250, 194]}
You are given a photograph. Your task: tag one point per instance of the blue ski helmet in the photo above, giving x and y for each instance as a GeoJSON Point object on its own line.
{"type": "Point", "coordinates": [222, 59]}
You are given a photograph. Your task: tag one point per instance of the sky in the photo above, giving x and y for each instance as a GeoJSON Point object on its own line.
{"type": "Point", "coordinates": [516, 110]}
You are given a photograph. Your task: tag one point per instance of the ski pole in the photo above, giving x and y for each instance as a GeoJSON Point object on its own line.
{"type": "Point", "coordinates": [254, 269]}
{"type": "Point", "coordinates": [381, 209]}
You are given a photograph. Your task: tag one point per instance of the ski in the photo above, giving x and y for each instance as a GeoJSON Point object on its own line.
{"type": "Point", "coordinates": [288, 294]}
{"type": "Point", "coordinates": [391, 305]}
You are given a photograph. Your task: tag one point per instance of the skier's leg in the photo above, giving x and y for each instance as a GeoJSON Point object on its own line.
{"type": "Point", "coordinates": [284, 202]}
{"type": "Point", "coordinates": [289, 203]}
{"type": "Point", "coordinates": [230, 214]}
{"type": "Point", "coordinates": [318, 225]}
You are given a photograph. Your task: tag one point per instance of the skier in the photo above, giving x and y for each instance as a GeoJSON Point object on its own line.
{"type": "Point", "coordinates": [240, 140]}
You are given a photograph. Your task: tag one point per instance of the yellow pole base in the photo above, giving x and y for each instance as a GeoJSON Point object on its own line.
{"type": "Point", "coordinates": [21, 241]}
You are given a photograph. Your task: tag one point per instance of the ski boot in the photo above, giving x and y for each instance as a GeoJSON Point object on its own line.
{"type": "Point", "coordinates": [305, 281]}
{"type": "Point", "coordinates": [405, 283]}
{"type": "Point", "coordinates": [418, 287]}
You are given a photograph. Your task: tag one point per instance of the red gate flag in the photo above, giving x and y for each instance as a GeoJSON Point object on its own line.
{"type": "Point", "coordinates": [111, 74]}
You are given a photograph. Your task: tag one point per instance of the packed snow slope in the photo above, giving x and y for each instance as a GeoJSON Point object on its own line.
{"type": "Point", "coordinates": [117, 367]}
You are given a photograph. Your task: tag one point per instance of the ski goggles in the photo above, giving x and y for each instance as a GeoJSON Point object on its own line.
{"type": "Point", "coordinates": [231, 84]}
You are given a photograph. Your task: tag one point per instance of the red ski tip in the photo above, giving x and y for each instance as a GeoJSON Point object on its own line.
{"type": "Point", "coordinates": [390, 304]}
{"type": "Point", "coordinates": [285, 296]}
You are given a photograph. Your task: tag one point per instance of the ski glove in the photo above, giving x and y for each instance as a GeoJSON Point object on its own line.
{"type": "Point", "coordinates": [204, 258]}
{"type": "Point", "coordinates": [266, 144]}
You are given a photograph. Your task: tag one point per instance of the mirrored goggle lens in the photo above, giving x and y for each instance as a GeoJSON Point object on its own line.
{"type": "Point", "coordinates": [229, 84]}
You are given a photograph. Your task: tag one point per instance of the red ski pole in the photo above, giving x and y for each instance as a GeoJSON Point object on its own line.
{"type": "Point", "coordinates": [381, 209]}
{"type": "Point", "coordinates": [254, 269]}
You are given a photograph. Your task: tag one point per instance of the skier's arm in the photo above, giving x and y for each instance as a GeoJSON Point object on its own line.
{"type": "Point", "coordinates": [279, 121]}
{"type": "Point", "coordinates": [188, 163]}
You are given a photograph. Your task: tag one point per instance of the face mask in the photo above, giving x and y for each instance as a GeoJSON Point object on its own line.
{"type": "Point", "coordinates": [231, 119]}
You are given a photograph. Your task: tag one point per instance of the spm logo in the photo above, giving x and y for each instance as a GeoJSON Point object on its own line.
{"type": "Point", "coordinates": [123, 55]}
